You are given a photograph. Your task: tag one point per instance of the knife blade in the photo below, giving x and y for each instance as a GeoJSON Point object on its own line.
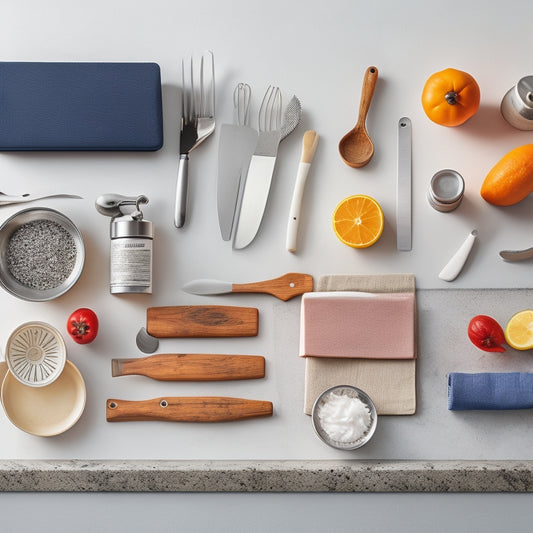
{"type": "Point", "coordinates": [236, 146]}
{"type": "Point", "coordinates": [285, 287]}
{"type": "Point", "coordinates": [259, 176]}
{"type": "Point", "coordinates": [257, 188]}
{"type": "Point", "coordinates": [191, 367]}
{"type": "Point", "coordinates": [187, 409]}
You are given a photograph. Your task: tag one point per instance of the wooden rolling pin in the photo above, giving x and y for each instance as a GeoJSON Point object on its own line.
{"type": "Point", "coordinates": [187, 409]}
{"type": "Point", "coordinates": [191, 367]}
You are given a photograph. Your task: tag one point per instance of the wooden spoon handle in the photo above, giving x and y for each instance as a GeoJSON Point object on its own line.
{"type": "Point", "coordinates": [191, 367]}
{"type": "Point", "coordinates": [187, 409]}
{"type": "Point", "coordinates": [367, 92]}
{"type": "Point", "coordinates": [285, 287]}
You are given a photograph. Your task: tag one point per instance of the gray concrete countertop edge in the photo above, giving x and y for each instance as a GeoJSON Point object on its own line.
{"type": "Point", "coordinates": [266, 476]}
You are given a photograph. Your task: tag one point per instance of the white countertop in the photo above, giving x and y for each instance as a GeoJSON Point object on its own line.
{"type": "Point", "coordinates": [319, 53]}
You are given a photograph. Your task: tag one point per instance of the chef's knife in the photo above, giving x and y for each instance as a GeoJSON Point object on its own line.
{"type": "Point", "coordinates": [187, 409]}
{"type": "Point", "coordinates": [236, 146]}
{"type": "Point", "coordinates": [191, 367]}
{"type": "Point", "coordinates": [285, 287]}
{"type": "Point", "coordinates": [259, 176]}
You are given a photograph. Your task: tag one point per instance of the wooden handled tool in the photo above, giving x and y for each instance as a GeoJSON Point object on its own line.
{"type": "Point", "coordinates": [284, 287]}
{"type": "Point", "coordinates": [187, 409]}
{"type": "Point", "coordinates": [191, 367]}
{"type": "Point", "coordinates": [202, 321]}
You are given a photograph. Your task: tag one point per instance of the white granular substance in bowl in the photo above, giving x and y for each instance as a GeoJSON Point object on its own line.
{"type": "Point", "coordinates": [344, 418]}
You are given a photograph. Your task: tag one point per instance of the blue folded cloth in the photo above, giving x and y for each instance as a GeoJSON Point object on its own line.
{"type": "Point", "coordinates": [490, 391]}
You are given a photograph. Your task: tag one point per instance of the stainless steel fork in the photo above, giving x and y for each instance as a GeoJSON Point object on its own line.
{"type": "Point", "coordinates": [197, 121]}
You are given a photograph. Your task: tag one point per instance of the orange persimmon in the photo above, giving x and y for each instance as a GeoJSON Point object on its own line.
{"type": "Point", "coordinates": [450, 97]}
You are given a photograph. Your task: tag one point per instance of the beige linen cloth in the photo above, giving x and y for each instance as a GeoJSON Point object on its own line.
{"type": "Point", "coordinates": [390, 383]}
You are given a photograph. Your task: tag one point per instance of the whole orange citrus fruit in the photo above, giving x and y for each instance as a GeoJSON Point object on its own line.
{"type": "Point", "coordinates": [511, 179]}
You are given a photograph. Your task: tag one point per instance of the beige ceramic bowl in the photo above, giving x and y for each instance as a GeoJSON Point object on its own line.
{"type": "Point", "coordinates": [45, 411]}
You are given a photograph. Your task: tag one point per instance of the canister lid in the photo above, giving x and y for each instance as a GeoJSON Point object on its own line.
{"type": "Point", "coordinates": [122, 227]}
{"type": "Point", "coordinates": [446, 190]}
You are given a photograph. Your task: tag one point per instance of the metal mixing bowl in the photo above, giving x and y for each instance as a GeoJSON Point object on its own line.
{"type": "Point", "coordinates": [352, 392]}
{"type": "Point", "coordinates": [14, 285]}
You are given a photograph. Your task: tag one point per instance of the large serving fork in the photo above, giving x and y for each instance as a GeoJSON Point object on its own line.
{"type": "Point", "coordinates": [197, 121]}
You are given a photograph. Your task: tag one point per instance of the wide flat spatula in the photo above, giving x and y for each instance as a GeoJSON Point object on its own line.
{"type": "Point", "coordinates": [285, 287]}
{"type": "Point", "coordinates": [187, 409]}
{"type": "Point", "coordinates": [191, 367]}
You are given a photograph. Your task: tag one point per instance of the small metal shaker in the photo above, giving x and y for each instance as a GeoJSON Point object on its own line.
{"type": "Point", "coordinates": [517, 104]}
{"type": "Point", "coordinates": [131, 244]}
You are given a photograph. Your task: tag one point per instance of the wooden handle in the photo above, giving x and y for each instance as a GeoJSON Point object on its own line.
{"type": "Point", "coordinates": [191, 367]}
{"type": "Point", "coordinates": [367, 92]}
{"type": "Point", "coordinates": [187, 409]}
{"type": "Point", "coordinates": [202, 321]}
{"type": "Point", "coordinates": [285, 287]}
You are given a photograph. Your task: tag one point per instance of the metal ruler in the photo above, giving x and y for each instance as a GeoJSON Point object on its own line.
{"type": "Point", "coordinates": [403, 191]}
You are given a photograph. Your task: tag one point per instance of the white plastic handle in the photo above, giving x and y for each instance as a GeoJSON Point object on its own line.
{"type": "Point", "coordinates": [456, 263]}
{"type": "Point", "coordinates": [296, 204]}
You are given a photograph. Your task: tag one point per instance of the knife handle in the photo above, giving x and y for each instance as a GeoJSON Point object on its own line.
{"type": "Point", "coordinates": [187, 409]}
{"type": "Point", "coordinates": [182, 186]}
{"type": "Point", "coordinates": [285, 287]}
{"type": "Point", "coordinates": [296, 203]}
{"type": "Point", "coordinates": [191, 367]}
{"type": "Point", "coordinates": [185, 321]}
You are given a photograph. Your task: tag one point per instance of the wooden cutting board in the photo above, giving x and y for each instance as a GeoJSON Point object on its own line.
{"type": "Point", "coordinates": [202, 321]}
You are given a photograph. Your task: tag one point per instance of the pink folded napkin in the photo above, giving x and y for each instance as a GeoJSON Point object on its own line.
{"type": "Point", "coordinates": [391, 383]}
{"type": "Point", "coordinates": [359, 325]}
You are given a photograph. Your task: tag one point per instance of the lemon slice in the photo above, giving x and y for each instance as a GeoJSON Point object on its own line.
{"type": "Point", "coordinates": [519, 330]}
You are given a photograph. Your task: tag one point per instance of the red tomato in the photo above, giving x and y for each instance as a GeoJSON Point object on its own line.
{"type": "Point", "coordinates": [82, 325]}
{"type": "Point", "coordinates": [486, 333]}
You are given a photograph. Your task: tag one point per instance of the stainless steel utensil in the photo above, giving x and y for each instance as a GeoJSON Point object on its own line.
{"type": "Point", "coordinates": [261, 169]}
{"type": "Point", "coordinates": [516, 255]}
{"type": "Point", "coordinates": [9, 199]}
{"type": "Point", "coordinates": [236, 146]}
{"type": "Point", "coordinates": [291, 117]}
{"type": "Point", "coordinates": [197, 122]}
{"type": "Point", "coordinates": [403, 191]}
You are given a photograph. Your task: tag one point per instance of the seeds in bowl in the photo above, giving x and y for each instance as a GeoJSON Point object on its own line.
{"type": "Point", "coordinates": [41, 254]}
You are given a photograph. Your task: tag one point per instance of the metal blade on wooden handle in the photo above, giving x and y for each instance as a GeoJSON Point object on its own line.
{"type": "Point", "coordinates": [187, 409]}
{"type": "Point", "coordinates": [191, 367]}
{"type": "Point", "coordinates": [403, 193]}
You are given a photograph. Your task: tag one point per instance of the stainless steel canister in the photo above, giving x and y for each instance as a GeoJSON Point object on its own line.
{"type": "Point", "coordinates": [131, 255]}
{"type": "Point", "coordinates": [517, 104]}
{"type": "Point", "coordinates": [446, 190]}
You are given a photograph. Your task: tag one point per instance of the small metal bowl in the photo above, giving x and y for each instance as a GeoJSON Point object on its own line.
{"type": "Point", "coordinates": [41, 254]}
{"type": "Point", "coordinates": [36, 354]}
{"type": "Point", "coordinates": [350, 392]}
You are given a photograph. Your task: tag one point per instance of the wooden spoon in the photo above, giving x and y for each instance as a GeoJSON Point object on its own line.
{"type": "Point", "coordinates": [356, 148]}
